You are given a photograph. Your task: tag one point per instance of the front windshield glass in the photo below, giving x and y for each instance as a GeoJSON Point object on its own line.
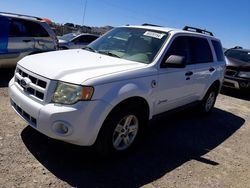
{"type": "Point", "coordinates": [133, 44]}
{"type": "Point", "coordinates": [68, 37]}
{"type": "Point", "coordinates": [240, 55]}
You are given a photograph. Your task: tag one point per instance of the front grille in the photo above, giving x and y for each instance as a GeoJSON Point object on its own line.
{"type": "Point", "coordinates": [36, 87]}
{"type": "Point", "coordinates": [230, 72]}
{"type": "Point", "coordinates": [25, 115]}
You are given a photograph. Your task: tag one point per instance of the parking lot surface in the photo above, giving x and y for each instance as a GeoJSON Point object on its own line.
{"type": "Point", "coordinates": [183, 149]}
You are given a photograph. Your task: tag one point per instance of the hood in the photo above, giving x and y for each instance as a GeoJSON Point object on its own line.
{"type": "Point", "coordinates": [236, 63]}
{"type": "Point", "coordinates": [76, 66]}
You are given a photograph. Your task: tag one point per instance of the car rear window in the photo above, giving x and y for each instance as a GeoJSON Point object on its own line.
{"type": "Point", "coordinates": [218, 50]}
{"type": "Point", "coordinates": [240, 55]}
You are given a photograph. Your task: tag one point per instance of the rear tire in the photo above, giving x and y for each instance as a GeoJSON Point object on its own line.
{"type": "Point", "coordinates": [208, 101]}
{"type": "Point", "coordinates": [121, 130]}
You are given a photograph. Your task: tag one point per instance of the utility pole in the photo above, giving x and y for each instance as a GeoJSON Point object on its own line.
{"type": "Point", "coordinates": [84, 11]}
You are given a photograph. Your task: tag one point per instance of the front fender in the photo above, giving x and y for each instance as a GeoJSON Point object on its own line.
{"type": "Point", "coordinates": [116, 93]}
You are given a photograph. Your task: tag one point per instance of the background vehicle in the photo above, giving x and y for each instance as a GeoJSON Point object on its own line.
{"type": "Point", "coordinates": [74, 40]}
{"type": "Point", "coordinates": [237, 73]}
{"type": "Point", "coordinates": [22, 35]}
{"type": "Point", "coordinates": [104, 94]}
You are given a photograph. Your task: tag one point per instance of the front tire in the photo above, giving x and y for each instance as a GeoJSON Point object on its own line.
{"type": "Point", "coordinates": [121, 131]}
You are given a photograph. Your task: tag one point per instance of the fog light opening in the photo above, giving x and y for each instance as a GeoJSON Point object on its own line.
{"type": "Point", "coordinates": [61, 128]}
{"type": "Point", "coordinates": [243, 84]}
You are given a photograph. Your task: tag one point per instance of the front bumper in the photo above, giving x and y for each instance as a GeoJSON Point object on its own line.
{"type": "Point", "coordinates": [236, 82]}
{"type": "Point", "coordinates": [83, 119]}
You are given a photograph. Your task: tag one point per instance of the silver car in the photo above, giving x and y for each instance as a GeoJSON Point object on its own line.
{"type": "Point", "coordinates": [22, 35]}
{"type": "Point", "coordinates": [74, 40]}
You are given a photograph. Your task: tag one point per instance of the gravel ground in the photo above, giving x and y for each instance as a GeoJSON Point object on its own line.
{"type": "Point", "coordinates": [180, 150]}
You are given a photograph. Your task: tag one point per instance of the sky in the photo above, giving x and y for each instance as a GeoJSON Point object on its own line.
{"type": "Point", "coordinates": [229, 20]}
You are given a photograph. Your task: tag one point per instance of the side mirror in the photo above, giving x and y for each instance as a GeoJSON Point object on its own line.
{"type": "Point", "coordinates": [174, 61]}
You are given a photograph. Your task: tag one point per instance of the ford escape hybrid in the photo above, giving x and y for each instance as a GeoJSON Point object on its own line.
{"type": "Point", "coordinates": [104, 94]}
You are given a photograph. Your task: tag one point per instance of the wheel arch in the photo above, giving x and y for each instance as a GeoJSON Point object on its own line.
{"type": "Point", "coordinates": [216, 84]}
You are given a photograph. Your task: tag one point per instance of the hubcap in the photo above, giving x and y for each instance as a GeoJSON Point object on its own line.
{"type": "Point", "coordinates": [210, 101]}
{"type": "Point", "coordinates": [125, 132]}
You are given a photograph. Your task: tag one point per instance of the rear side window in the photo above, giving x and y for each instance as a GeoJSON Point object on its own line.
{"type": "Point", "coordinates": [218, 50]}
{"type": "Point", "coordinates": [36, 30]}
{"type": "Point", "coordinates": [201, 52]}
{"type": "Point", "coordinates": [18, 29]}
{"type": "Point", "coordinates": [23, 28]}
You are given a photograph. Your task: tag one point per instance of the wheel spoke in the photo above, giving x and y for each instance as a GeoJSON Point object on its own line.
{"type": "Point", "coordinates": [119, 128]}
{"type": "Point", "coordinates": [132, 128]}
{"type": "Point", "coordinates": [128, 120]}
{"type": "Point", "coordinates": [118, 141]}
{"type": "Point", "coordinates": [126, 140]}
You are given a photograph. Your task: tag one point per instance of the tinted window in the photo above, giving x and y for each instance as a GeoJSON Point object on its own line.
{"type": "Point", "coordinates": [90, 38]}
{"type": "Point", "coordinates": [22, 28]}
{"type": "Point", "coordinates": [36, 30]}
{"type": "Point", "coordinates": [238, 54]}
{"type": "Point", "coordinates": [18, 29]}
{"type": "Point", "coordinates": [180, 47]}
{"type": "Point", "coordinates": [85, 39]}
{"type": "Point", "coordinates": [201, 52]}
{"type": "Point", "coordinates": [195, 50]}
{"type": "Point", "coordinates": [218, 50]}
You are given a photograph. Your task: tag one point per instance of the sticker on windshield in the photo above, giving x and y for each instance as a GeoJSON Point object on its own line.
{"type": "Point", "coordinates": [154, 34]}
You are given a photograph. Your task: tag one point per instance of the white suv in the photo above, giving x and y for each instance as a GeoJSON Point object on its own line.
{"type": "Point", "coordinates": [105, 94]}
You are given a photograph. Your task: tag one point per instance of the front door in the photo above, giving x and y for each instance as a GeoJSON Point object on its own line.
{"type": "Point", "coordinates": [175, 85]}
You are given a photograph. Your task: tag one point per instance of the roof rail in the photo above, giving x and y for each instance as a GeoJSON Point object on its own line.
{"type": "Point", "coordinates": [198, 30]}
{"type": "Point", "coordinates": [20, 15]}
{"type": "Point", "coordinates": [147, 24]}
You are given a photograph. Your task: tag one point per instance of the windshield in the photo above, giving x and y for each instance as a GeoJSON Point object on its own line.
{"type": "Point", "coordinates": [133, 44]}
{"type": "Point", "coordinates": [68, 37]}
{"type": "Point", "coordinates": [240, 55]}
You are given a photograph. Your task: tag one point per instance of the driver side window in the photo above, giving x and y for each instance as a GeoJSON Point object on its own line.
{"type": "Point", "coordinates": [179, 47]}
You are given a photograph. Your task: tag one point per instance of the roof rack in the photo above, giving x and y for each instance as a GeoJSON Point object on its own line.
{"type": "Point", "coordinates": [147, 24]}
{"type": "Point", "coordinates": [198, 30]}
{"type": "Point", "coordinates": [20, 15]}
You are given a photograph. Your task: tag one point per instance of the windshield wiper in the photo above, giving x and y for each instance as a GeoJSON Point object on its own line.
{"type": "Point", "coordinates": [108, 53]}
{"type": "Point", "coordinates": [89, 48]}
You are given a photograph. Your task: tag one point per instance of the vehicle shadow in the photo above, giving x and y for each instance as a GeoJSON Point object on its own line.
{"type": "Point", "coordinates": [240, 94]}
{"type": "Point", "coordinates": [170, 142]}
{"type": "Point", "coordinates": [5, 76]}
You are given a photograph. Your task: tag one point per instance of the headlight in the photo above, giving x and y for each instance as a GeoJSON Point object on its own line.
{"type": "Point", "coordinates": [69, 93]}
{"type": "Point", "coordinates": [244, 74]}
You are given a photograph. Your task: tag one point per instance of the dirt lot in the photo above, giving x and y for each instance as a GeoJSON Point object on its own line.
{"type": "Point", "coordinates": [180, 150]}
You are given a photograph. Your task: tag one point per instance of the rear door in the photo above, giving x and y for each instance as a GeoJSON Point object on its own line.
{"type": "Point", "coordinates": [21, 42]}
{"type": "Point", "coordinates": [205, 67]}
{"type": "Point", "coordinates": [4, 39]}
{"type": "Point", "coordinates": [42, 40]}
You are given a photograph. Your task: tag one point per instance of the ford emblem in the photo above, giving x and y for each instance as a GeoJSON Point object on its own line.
{"type": "Point", "coordinates": [25, 82]}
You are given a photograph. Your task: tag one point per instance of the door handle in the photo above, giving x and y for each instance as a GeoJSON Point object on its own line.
{"type": "Point", "coordinates": [189, 73]}
{"type": "Point", "coordinates": [26, 40]}
{"type": "Point", "coordinates": [211, 69]}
